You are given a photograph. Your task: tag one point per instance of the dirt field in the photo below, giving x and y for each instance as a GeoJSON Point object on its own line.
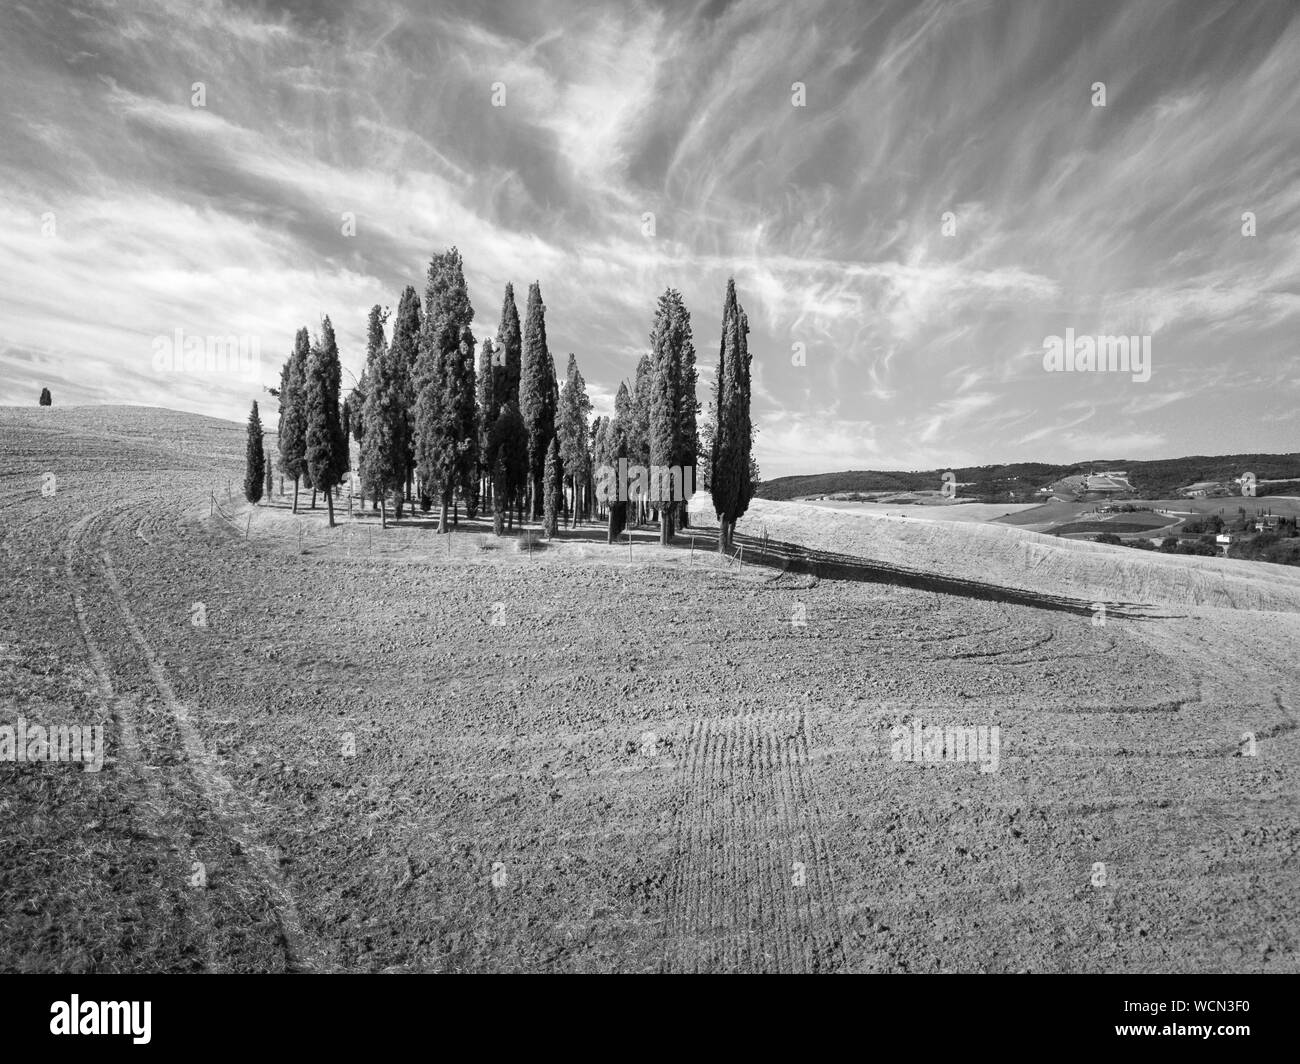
{"type": "Point", "coordinates": [382, 753]}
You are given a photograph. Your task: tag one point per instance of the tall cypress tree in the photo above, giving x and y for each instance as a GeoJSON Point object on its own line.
{"type": "Point", "coordinates": [407, 326]}
{"type": "Point", "coordinates": [384, 446]}
{"type": "Point", "coordinates": [671, 351]}
{"type": "Point", "coordinates": [537, 394]}
{"type": "Point", "coordinates": [688, 432]}
{"type": "Point", "coordinates": [637, 429]}
{"type": "Point", "coordinates": [486, 415]}
{"type": "Point", "coordinates": [254, 458]}
{"type": "Point", "coordinates": [571, 430]}
{"type": "Point", "coordinates": [731, 487]}
{"type": "Point", "coordinates": [509, 351]}
{"type": "Point", "coordinates": [615, 441]}
{"type": "Point", "coordinates": [293, 412]}
{"type": "Point", "coordinates": [508, 460]}
{"type": "Point", "coordinates": [599, 428]}
{"type": "Point", "coordinates": [445, 435]}
{"type": "Point", "coordinates": [553, 488]}
{"type": "Point", "coordinates": [326, 445]}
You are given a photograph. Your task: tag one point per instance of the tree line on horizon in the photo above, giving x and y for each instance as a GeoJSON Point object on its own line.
{"type": "Point", "coordinates": [438, 424]}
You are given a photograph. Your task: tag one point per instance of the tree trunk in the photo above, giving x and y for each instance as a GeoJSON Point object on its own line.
{"type": "Point", "coordinates": [329, 500]}
{"type": "Point", "coordinates": [295, 494]}
{"type": "Point", "coordinates": [313, 496]}
{"type": "Point", "coordinates": [442, 518]}
{"type": "Point", "coordinates": [383, 514]}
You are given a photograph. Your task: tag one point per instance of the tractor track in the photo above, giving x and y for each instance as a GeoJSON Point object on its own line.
{"type": "Point", "coordinates": [198, 771]}
{"type": "Point", "coordinates": [751, 888]}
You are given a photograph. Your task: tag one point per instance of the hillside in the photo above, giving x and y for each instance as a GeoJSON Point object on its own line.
{"type": "Point", "coordinates": [1156, 479]}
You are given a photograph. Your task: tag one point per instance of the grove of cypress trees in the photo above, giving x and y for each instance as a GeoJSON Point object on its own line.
{"type": "Point", "coordinates": [326, 444]}
{"type": "Point", "coordinates": [293, 412]}
{"type": "Point", "coordinates": [571, 430]}
{"type": "Point", "coordinates": [46, 399]}
{"type": "Point", "coordinates": [537, 394]}
{"type": "Point", "coordinates": [731, 486]}
{"type": "Point", "coordinates": [254, 458]}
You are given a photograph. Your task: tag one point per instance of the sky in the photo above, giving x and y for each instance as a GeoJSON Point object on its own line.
{"type": "Point", "coordinates": [911, 196]}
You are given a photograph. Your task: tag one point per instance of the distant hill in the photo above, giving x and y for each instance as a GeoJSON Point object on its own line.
{"type": "Point", "coordinates": [1159, 479]}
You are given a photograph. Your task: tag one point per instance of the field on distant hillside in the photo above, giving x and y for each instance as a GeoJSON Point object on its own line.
{"type": "Point", "coordinates": [933, 511]}
{"type": "Point", "coordinates": [398, 751]}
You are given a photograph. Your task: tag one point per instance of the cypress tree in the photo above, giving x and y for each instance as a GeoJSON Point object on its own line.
{"type": "Point", "coordinates": [407, 326]}
{"type": "Point", "coordinates": [326, 445]}
{"type": "Point", "coordinates": [598, 460]}
{"type": "Point", "coordinates": [445, 434]}
{"type": "Point", "coordinates": [509, 352]}
{"type": "Point", "coordinates": [254, 458]}
{"type": "Point", "coordinates": [553, 487]}
{"type": "Point", "coordinates": [616, 448]}
{"type": "Point", "coordinates": [537, 389]}
{"type": "Point", "coordinates": [46, 399]}
{"type": "Point", "coordinates": [507, 457]}
{"type": "Point", "coordinates": [637, 429]}
{"type": "Point", "coordinates": [672, 349]}
{"type": "Point", "coordinates": [356, 403]}
{"type": "Point", "coordinates": [384, 445]}
{"type": "Point", "coordinates": [356, 423]}
{"type": "Point", "coordinates": [688, 432]}
{"type": "Point", "coordinates": [571, 430]}
{"type": "Point", "coordinates": [486, 415]}
{"type": "Point", "coordinates": [293, 412]}
{"type": "Point", "coordinates": [731, 486]}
